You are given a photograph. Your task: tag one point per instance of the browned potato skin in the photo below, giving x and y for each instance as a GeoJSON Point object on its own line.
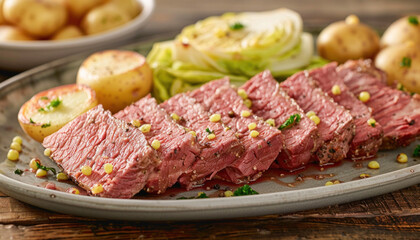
{"type": "Point", "coordinates": [390, 60]}
{"type": "Point", "coordinates": [40, 18]}
{"type": "Point", "coordinates": [341, 41]}
{"type": "Point", "coordinates": [401, 31]}
{"type": "Point", "coordinates": [31, 107]}
{"type": "Point", "coordinates": [119, 78]}
{"type": "Point", "coordinates": [10, 33]}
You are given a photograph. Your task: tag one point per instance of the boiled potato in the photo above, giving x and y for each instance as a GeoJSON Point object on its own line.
{"type": "Point", "coordinates": [118, 77]}
{"type": "Point", "coordinates": [104, 18]}
{"type": "Point", "coordinates": [40, 18]}
{"type": "Point", "coordinates": [403, 30]}
{"type": "Point", "coordinates": [48, 111]}
{"type": "Point", "coordinates": [349, 39]}
{"type": "Point", "coordinates": [67, 33]}
{"type": "Point", "coordinates": [10, 33]}
{"type": "Point", "coordinates": [2, 21]}
{"type": "Point", "coordinates": [78, 8]}
{"type": "Point", "coordinates": [402, 65]}
{"type": "Point", "coordinates": [132, 7]}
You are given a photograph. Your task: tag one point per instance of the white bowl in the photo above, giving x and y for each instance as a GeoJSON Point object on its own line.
{"type": "Point", "coordinates": [18, 56]}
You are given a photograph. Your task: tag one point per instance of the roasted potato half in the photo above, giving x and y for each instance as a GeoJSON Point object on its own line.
{"type": "Point", "coordinates": [48, 111]}
{"type": "Point", "coordinates": [118, 77]}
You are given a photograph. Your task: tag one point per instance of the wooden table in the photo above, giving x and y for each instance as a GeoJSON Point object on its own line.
{"type": "Point", "coordinates": [391, 216]}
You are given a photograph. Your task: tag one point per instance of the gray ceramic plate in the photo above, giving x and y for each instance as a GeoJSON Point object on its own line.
{"type": "Point", "coordinates": [279, 193]}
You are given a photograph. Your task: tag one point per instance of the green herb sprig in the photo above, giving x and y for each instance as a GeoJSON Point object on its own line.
{"type": "Point", "coordinates": [293, 119]}
{"type": "Point", "coordinates": [244, 190]}
{"type": "Point", "coordinates": [209, 131]}
{"type": "Point", "coordinates": [406, 62]}
{"type": "Point", "coordinates": [413, 20]}
{"type": "Point", "coordinates": [46, 168]}
{"type": "Point", "coordinates": [53, 104]}
{"type": "Point", "coordinates": [416, 152]}
{"type": "Point", "coordinates": [18, 172]}
{"type": "Point", "coordinates": [236, 26]}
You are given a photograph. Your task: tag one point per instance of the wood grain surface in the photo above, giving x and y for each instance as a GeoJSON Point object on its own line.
{"type": "Point", "coordinates": [391, 216]}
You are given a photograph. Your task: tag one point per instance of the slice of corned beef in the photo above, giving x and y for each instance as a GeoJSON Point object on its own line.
{"type": "Point", "coordinates": [178, 149]}
{"type": "Point", "coordinates": [336, 127]}
{"type": "Point", "coordinates": [260, 152]}
{"type": "Point", "coordinates": [395, 110]}
{"type": "Point", "coordinates": [216, 153]}
{"type": "Point", "coordinates": [367, 139]}
{"type": "Point", "coordinates": [269, 101]}
{"type": "Point", "coordinates": [96, 138]}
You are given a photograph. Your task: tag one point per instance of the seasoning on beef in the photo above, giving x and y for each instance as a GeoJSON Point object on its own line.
{"type": "Point", "coordinates": [367, 139]}
{"type": "Point", "coordinates": [262, 142]}
{"type": "Point", "coordinates": [269, 101]}
{"type": "Point", "coordinates": [96, 138]}
{"type": "Point", "coordinates": [395, 110]}
{"type": "Point", "coordinates": [219, 148]}
{"type": "Point", "coordinates": [336, 125]}
{"type": "Point", "coordinates": [178, 148]}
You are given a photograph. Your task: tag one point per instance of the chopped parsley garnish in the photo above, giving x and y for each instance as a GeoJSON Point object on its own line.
{"type": "Point", "coordinates": [45, 168]}
{"type": "Point", "coordinates": [44, 98]}
{"type": "Point", "coordinates": [244, 190]}
{"type": "Point", "coordinates": [295, 118]}
{"type": "Point", "coordinates": [406, 62]}
{"type": "Point", "coordinates": [413, 20]}
{"type": "Point", "coordinates": [18, 172]}
{"type": "Point", "coordinates": [209, 131]}
{"type": "Point", "coordinates": [373, 124]}
{"type": "Point", "coordinates": [236, 26]}
{"type": "Point", "coordinates": [53, 104]}
{"type": "Point", "coordinates": [417, 151]}
{"type": "Point", "coordinates": [200, 195]}
{"type": "Point", "coordinates": [45, 125]}
{"type": "Point", "coordinates": [31, 121]}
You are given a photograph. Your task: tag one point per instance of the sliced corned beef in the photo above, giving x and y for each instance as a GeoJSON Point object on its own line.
{"type": "Point", "coordinates": [395, 110]}
{"type": "Point", "coordinates": [336, 127]}
{"type": "Point", "coordinates": [96, 138]}
{"type": "Point", "coordinates": [269, 101]}
{"type": "Point", "coordinates": [216, 153]}
{"type": "Point", "coordinates": [178, 149]}
{"type": "Point", "coordinates": [260, 152]}
{"type": "Point", "coordinates": [367, 139]}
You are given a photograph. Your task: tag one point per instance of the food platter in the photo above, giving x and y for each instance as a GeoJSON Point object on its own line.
{"type": "Point", "coordinates": [279, 192]}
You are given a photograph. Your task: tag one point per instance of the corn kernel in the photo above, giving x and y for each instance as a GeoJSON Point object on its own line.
{"type": "Point", "coordinates": [352, 19]}
{"type": "Point", "coordinates": [156, 144]}
{"type": "Point", "coordinates": [254, 133]}
{"type": "Point", "coordinates": [329, 183]}
{"type": "Point", "coordinates": [336, 90]}
{"type": "Point", "coordinates": [215, 117]}
{"type": "Point", "coordinates": [315, 119]}
{"type": "Point", "coordinates": [193, 133]}
{"type": "Point", "coordinates": [336, 182]}
{"type": "Point", "coordinates": [364, 96]}
{"type": "Point", "coordinates": [13, 155]}
{"type": "Point", "coordinates": [243, 94]}
{"type": "Point", "coordinates": [86, 170]}
{"type": "Point", "coordinates": [16, 146]}
{"type": "Point", "coordinates": [47, 152]}
{"type": "Point", "coordinates": [252, 126]}
{"type": "Point", "coordinates": [41, 173]}
{"type": "Point", "coordinates": [271, 122]}
{"type": "Point", "coordinates": [364, 175]}
{"type": "Point", "coordinates": [248, 103]}
{"type": "Point", "coordinates": [211, 136]}
{"type": "Point", "coordinates": [62, 177]}
{"type": "Point", "coordinates": [373, 165]}
{"type": "Point", "coordinates": [74, 191]}
{"type": "Point", "coordinates": [17, 139]}
{"type": "Point", "coordinates": [136, 123]}
{"type": "Point", "coordinates": [145, 128]}
{"type": "Point", "coordinates": [310, 114]}
{"type": "Point", "coordinates": [108, 167]}
{"type": "Point", "coordinates": [97, 188]}
{"type": "Point", "coordinates": [228, 193]}
{"type": "Point", "coordinates": [33, 165]}
{"type": "Point", "coordinates": [174, 116]}
{"type": "Point", "coordinates": [372, 122]}
{"type": "Point", "coordinates": [402, 158]}
{"type": "Point", "coordinates": [245, 113]}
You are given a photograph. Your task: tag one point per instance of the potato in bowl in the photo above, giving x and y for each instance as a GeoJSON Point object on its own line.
{"type": "Point", "coordinates": [48, 111]}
